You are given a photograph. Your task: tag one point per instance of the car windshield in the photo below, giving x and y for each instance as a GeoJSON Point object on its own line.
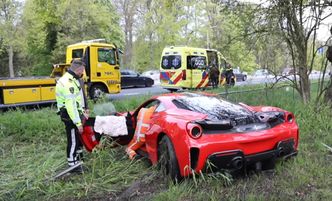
{"type": "Point", "coordinates": [236, 71]}
{"type": "Point", "coordinates": [106, 55]}
{"type": "Point", "coordinates": [261, 72]}
{"type": "Point", "coordinates": [216, 109]}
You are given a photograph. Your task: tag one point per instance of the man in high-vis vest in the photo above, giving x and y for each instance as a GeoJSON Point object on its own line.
{"type": "Point", "coordinates": [142, 126]}
{"type": "Point", "coordinates": [70, 102]}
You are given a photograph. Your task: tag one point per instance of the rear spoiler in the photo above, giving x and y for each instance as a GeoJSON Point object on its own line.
{"type": "Point", "coordinates": [215, 125]}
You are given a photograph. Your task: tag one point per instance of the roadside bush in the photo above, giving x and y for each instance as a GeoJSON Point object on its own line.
{"type": "Point", "coordinates": [31, 125]}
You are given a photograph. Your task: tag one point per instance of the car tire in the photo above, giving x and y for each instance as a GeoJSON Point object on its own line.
{"type": "Point", "coordinates": [172, 90]}
{"type": "Point", "coordinates": [167, 161]}
{"type": "Point", "coordinates": [147, 84]}
{"type": "Point", "coordinates": [244, 78]}
{"type": "Point", "coordinates": [96, 91]}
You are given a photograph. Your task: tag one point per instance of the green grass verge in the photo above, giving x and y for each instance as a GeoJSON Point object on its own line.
{"type": "Point", "coordinates": [32, 149]}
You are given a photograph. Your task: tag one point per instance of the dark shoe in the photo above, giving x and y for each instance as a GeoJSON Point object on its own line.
{"type": "Point", "coordinates": [78, 170]}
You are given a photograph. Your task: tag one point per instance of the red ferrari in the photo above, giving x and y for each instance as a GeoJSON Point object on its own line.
{"type": "Point", "coordinates": [192, 132]}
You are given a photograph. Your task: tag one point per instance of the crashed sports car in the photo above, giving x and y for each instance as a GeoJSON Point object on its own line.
{"type": "Point", "coordinates": [192, 132]}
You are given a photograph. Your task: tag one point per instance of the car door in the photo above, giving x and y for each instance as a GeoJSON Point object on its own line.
{"type": "Point", "coordinates": [125, 79]}
{"type": "Point", "coordinates": [138, 80]}
{"type": "Point", "coordinates": [132, 78]}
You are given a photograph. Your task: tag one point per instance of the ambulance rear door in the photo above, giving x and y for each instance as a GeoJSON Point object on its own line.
{"type": "Point", "coordinates": [197, 70]}
{"type": "Point", "coordinates": [171, 72]}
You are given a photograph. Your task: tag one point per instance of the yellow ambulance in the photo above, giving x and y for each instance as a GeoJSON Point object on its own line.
{"type": "Point", "coordinates": [188, 67]}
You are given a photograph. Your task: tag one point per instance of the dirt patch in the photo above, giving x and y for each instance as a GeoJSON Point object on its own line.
{"type": "Point", "coordinates": [143, 189]}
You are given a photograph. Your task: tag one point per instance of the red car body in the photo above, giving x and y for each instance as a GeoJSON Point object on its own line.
{"type": "Point", "coordinates": [202, 132]}
{"type": "Point", "coordinates": [226, 147]}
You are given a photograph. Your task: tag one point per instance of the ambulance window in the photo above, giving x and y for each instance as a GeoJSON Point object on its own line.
{"type": "Point", "coordinates": [196, 62]}
{"type": "Point", "coordinates": [171, 62]}
{"type": "Point", "coordinates": [78, 53]}
{"type": "Point", "coordinates": [106, 55]}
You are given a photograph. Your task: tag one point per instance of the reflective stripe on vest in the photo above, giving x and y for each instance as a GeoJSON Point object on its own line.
{"type": "Point", "coordinates": [143, 119]}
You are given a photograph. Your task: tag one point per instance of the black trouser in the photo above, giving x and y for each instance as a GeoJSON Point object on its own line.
{"type": "Point", "coordinates": [74, 144]}
{"type": "Point", "coordinates": [214, 81]}
{"type": "Point", "coordinates": [229, 76]}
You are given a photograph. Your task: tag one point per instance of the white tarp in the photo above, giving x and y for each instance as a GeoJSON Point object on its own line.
{"type": "Point", "coordinates": [111, 125]}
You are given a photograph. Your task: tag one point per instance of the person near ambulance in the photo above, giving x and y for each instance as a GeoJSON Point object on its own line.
{"type": "Point", "coordinates": [214, 76]}
{"type": "Point", "coordinates": [142, 126]}
{"type": "Point", "coordinates": [71, 108]}
{"type": "Point", "coordinates": [229, 74]}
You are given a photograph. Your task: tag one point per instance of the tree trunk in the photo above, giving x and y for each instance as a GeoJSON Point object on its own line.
{"type": "Point", "coordinates": [151, 51]}
{"type": "Point", "coordinates": [305, 88]}
{"type": "Point", "coordinates": [10, 61]}
{"type": "Point", "coordinates": [128, 42]}
{"type": "Point", "coordinates": [304, 78]}
{"type": "Point", "coordinates": [328, 93]}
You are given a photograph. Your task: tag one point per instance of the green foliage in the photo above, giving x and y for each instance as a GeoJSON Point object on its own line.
{"type": "Point", "coordinates": [50, 26]}
{"type": "Point", "coordinates": [162, 25]}
{"type": "Point", "coordinates": [10, 30]}
{"type": "Point", "coordinates": [198, 24]}
{"type": "Point", "coordinates": [22, 125]}
{"type": "Point", "coordinates": [32, 150]}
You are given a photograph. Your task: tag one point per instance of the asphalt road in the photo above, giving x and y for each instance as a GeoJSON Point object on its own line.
{"type": "Point", "coordinates": [130, 92]}
{"type": "Point", "coordinates": [157, 89]}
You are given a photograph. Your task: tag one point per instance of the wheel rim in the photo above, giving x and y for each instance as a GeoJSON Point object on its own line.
{"type": "Point", "coordinates": [97, 93]}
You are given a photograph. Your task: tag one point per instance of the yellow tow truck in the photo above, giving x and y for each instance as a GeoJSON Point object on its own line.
{"type": "Point", "coordinates": [102, 76]}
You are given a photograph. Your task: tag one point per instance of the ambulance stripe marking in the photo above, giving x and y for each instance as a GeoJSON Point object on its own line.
{"type": "Point", "coordinates": [177, 79]}
{"type": "Point", "coordinates": [164, 76]}
{"type": "Point", "coordinates": [204, 77]}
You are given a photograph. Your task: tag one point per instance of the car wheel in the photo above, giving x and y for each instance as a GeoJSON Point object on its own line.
{"type": "Point", "coordinates": [172, 90]}
{"type": "Point", "coordinates": [147, 84]}
{"type": "Point", "coordinates": [244, 78]}
{"type": "Point", "coordinates": [96, 91]}
{"type": "Point", "coordinates": [167, 160]}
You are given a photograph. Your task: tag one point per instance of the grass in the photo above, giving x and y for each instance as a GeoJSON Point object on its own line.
{"type": "Point", "coordinates": [32, 149]}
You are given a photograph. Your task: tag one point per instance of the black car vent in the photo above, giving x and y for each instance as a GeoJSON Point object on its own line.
{"type": "Point", "coordinates": [181, 105]}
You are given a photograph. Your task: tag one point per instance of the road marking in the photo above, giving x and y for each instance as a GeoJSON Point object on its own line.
{"type": "Point", "coordinates": [136, 93]}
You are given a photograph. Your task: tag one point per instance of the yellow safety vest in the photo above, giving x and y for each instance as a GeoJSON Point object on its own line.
{"type": "Point", "coordinates": [143, 122]}
{"type": "Point", "coordinates": [69, 95]}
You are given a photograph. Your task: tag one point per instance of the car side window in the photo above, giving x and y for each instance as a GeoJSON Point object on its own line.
{"type": "Point", "coordinates": [160, 108]}
{"type": "Point", "coordinates": [152, 103]}
{"type": "Point", "coordinates": [132, 73]}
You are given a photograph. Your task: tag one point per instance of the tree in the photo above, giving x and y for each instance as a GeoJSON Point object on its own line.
{"type": "Point", "coordinates": [161, 24]}
{"type": "Point", "coordinates": [328, 93]}
{"type": "Point", "coordinates": [128, 11]}
{"type": "Point", "coordinates": [51, 26]}
{"type": "Point", "coordinates": [9, 20]}
{"type": "Point", "coordinates": [298, 23]}
{"type": "Point", "coordinates": [226, 30]}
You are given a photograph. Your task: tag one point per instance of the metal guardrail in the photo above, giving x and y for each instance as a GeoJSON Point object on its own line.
{"type": "Point", "coordinates": [266, 88]}
{"type": "Point", "coordinates": [252, 90]}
